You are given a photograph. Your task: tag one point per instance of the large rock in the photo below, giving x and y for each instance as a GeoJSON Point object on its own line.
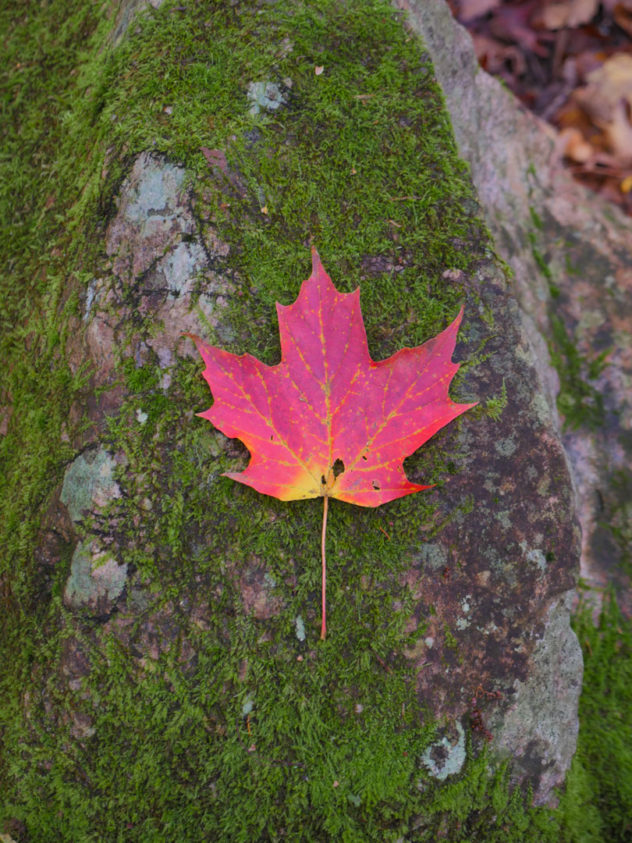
{"type": "Point", "coordinates": [490, 586]}
{"type": "Point", "coordinates": [187, 606]}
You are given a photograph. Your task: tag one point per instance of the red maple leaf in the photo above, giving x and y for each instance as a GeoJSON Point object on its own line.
{"type": "Point", "coordinates": [327, 421]}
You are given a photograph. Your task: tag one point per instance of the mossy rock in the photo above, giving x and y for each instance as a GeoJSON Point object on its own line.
{"type": "Point", "coordinates": [198, 702]}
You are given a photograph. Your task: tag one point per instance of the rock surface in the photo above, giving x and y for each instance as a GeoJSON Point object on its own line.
{"type": "Point", "coordinates": [89, 483]}
{"type": "Point", "coordinates": [191, 605]}
{"type": "Point", "coordinates": [96, 580]}
{"type": "Point", "coordinates": [486, 587]}
{"type": "Point", "coordinates": [572, 262]}
{"type": "Point", "coordinates": [503, 565]}
{"type": "Point", "coordinates": [571, 258]}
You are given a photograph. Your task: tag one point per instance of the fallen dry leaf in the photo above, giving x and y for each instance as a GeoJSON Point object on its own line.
{"type": "Point", "coordinates": [470, 9]}
{"type": "Point", "coordinates": [626, 184]}
{"type": "Point", "coordinates": [513, 23]}
{"type": "Point", "coordinates": [569, 62]}
{"type": "Point", "coordinates": [573, 145]}
{"type": "Point", "coordinates": [619, 132]}
{"type": "Point", "coordinates": [569, 13]}
{"type": "Point", "coordinates": [493, 56]}
{"type": "Point", "coordinates": [606, 101]}
{"type": "Point", "coordinates": [607, 86]}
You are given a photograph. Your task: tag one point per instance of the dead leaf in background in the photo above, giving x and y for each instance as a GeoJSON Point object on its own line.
{"type": "Point", "coordinates": [573, 145]}
{"type": "Point", "coordinates": [492, 56]}
{"type": "Point", "coordinates": [626, 184]}
{"type": "Point", "coordinates": [513, 23]}
{"type": "Point", "coordinates": [623, 17]}
{"type": "Point", "coordinates": [607, 86]}
{"type": "Point", "coordinates": [569, 13]}
{"type": "Point", "coordinates": [607, 100]}
{"type": "Point", "coordinates": [611, 6]}
{"type": "Point", "coordinates": [619, 132]}
{"type": "Point", "coordinates": [470, 9]}
{"type": "Point", "coordinates": [570, 62]}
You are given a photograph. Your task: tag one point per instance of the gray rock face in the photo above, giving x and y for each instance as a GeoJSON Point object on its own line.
{"type": "Point", "coordinates": [537, 722]}
{"type": "Point", "coordinates": [502, 567]}
{"type": "Point", "coordinates": [161, 276]}
{"type": "Point", "coordinates": [161, 282]}
{"type": "Point", "coordinates": [446, 756]}
{"type": "Point", "coordinates": [588, 296]}
{"type": "Point", "coordinates": [265, 95]}
{"type": "Point", "coordinates": [539, 730]}
{"type": "Point", "coordinates": [149, 206]}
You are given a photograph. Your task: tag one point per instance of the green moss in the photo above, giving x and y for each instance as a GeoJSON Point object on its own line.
{"type": "Point", "coordinates": [496, 404]}
{"type": "Point", "coordinates": [598, 803]}
{"type": "Point", "coordinates": [151, 738]}
{"type": "Point", "coordinates": [536, 219]}
{"type": "Point", "coordinates": [579, 401]}
{"type": "Point", "coordinates": [619, 518]}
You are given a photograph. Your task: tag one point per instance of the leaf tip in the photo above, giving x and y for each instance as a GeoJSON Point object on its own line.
{"type": "Point", "coordinates": [193, 337]}
{"type": "Point", "coordinates": [457, 320]}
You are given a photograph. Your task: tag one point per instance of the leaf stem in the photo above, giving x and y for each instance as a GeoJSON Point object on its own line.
{"type": "Point", "coordinates": [323, 627]}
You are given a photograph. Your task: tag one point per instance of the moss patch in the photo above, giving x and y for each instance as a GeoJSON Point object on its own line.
{"type": "Point", "coordinates": [598, 802]}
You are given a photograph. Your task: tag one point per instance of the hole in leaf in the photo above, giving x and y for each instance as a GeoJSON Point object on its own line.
{"type": "Point", "coordinates": [339, 467]}
{"type": "Point", "coordinates": [375, 485]}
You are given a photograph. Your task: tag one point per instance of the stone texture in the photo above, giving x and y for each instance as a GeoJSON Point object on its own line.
{"type": "Point", "coordinates": [539, 730]}
{"type": "Point", "coordinates": [488, 584]}
{"type": "Point", "coordinates": [96, 580]}
{"type": "Point", "coordinates": [89, 483]}
{"type": "Point", "coordinates": [150, 203]}
{"type": "Point", "coordinates": [161, 282]}
{"type": "Point", "coordinates": [162, 277]}
{"type": "Point", "coordinates": [446, 756]}
{"type": "Point", "coordinates": [265, 95]}
{"type": "Point", "coordinates": [587, 245]}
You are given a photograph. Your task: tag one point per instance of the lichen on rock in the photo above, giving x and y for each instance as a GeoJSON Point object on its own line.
{"type": "Point", "coordinates": [265, 95]}
{"type": "Point", "coordinates": [89, 483]}
{"type": "Point", "coordinates": [446, 756]}
{"type": "Point", "coordinates": [96, 579]}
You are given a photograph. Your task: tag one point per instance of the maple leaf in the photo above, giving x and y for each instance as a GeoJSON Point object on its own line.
{"type": "Point", "coordinates": [328, 421]}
